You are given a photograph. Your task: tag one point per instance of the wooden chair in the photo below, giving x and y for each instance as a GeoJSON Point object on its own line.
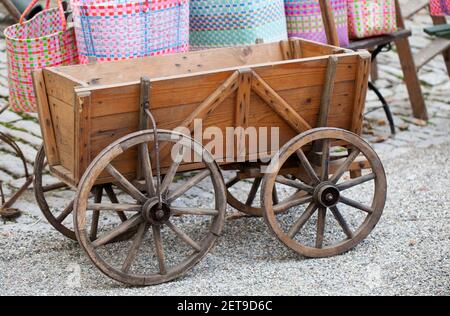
{"type": "Point", "coordinates": [376, 45]}
{"type": "Point", "coordinates": [441, 45]}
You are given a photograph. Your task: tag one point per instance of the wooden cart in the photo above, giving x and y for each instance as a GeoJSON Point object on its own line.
{"type": "Point", "coordinates": [99, 137]}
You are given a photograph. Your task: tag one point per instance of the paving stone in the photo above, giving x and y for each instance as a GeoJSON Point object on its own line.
{"type": "Point", "coordinates": [9, 116]}
{"type": "Point", "coordinates": [30, 126]}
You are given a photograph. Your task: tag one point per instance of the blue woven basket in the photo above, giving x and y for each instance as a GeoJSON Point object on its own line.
{"type": "Point", "coordinates": [222, 23]}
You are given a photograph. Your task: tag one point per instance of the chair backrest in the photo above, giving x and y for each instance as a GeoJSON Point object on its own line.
{"type": "Point", "coordinates": [329, 23]}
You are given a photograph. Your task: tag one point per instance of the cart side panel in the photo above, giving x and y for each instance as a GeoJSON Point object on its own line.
{"type": "Point", "coordinates": [114, 111]}
{"type": "Point", "coordinates": [200, 61]}
{"type": "Point", "coordinates": [55, 100]}
{"type": "Point", "coordinates": [60, 93]}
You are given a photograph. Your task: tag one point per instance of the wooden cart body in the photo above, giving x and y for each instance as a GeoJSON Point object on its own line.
{"type": "Point", "coordinates": [289, 85]}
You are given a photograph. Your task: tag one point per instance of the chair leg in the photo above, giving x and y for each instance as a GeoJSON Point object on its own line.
{"type": "Point", "coordinates": [411, 79]}
{"type": "Point", "coordinates": [386, 108]}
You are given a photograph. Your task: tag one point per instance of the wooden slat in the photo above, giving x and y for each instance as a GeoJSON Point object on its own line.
{"type": "Point", "coordinates": [279, 105]}
{"type": "Point", "coordinates": [45, 119]}
{"type": "Point", "coordinates": [328, 91]}
{"type": "Point", "coordinates": [329, 22]}
{"type": "Point", "coordinates": [429, 52]}
{"type": "Point", "coordinates": [242, 110]}
{"type": "Point", "coordinates": [59, 87]}
{"type": "Point", "coordinates": [63, 126]}
{"type": "Point", "coordinates": [82, 148]}
{"type": "Point", "coordinates": [413, 7]}
{"type": "Point", "coordinates": [361, 86]}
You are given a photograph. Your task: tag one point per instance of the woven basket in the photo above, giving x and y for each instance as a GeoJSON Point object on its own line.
{"type": "Point", "coordinates": [119, 29]}
{"type": "Point", "coordinates": [304, 20]}
{"type": "Point", "coordinates": [368, 18]}
{"type": "Point", "coordinates": [223, 23]}
{"type": "Point", "coordinates": [43, 41]}
{"type": "Point", "coordinates": [440, 7]}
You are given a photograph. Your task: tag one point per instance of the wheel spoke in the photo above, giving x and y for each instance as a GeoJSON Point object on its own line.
{"type": "Point", "coordinates": [188, 185]}
{"type": "Point", "coordinates": [159, 248]}
{"type": "Point", "coordinates": [232, 182]}
{"type": "Point", "coordinates": [180, 211]}
{"type": "Point", "coordinates": [96, 214]}
{"type": "Point", "coordinates": [134, 249]}
{"type": "Point", "coordinates": [125, 184]}
{"type": "Point", "coordinates": [275, 199]}
{"type": "Point", "coordinates": [253, 191]}
{"type": "Point", "coordinates": [147, 169]}
{"type": "Point", "coordinates": [183, 236]}
{"type": "Point", "coordinates": [354, 182]}
{"type": "Point", "coordinates": [113, 198]}
{"type": "Point", "coordinates": [302, 220]}
{"type": "Point", "coordinates": [117, 231]}
{"type": "Point", "coordinates": [172, 171]}
{"type": "Point", "coordinates": [66, 212]}
{"type": "Point", "coordinates": [321, 227]}
{"type": "Point", "coordinates": [297, 199]}
{"type": "Point", "coordinates": [356, 204]}
{"type": "Point", "coordinates": [345, 165]}
{"type": "Point", "coordinates": [309, 169]}
{"type": "Point", "coordinates": [114, 207]}
{"type": "Point", "coordinates": [325, 161]}
{"type": "Point", "coordinates": [342, 222]}
{"type": "Point", "coordinates": [55, 186]}
{"type": "Point", "coordinates": [294, 184]}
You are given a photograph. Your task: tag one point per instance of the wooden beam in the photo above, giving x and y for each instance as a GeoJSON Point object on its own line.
{"type": "Point", "coordinates": [327, 92]}
{"type": "Point", "coordinates": [279, 105]}
{"type": "Point", "coordinates": [82, 133]}
{"type": "Point", "coordinates": [361, 87]}
{"type": "Point", "coordinates": [45, 118]}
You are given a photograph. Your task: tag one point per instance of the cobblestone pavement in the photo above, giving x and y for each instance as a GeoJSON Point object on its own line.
{"type": "Point", "coordinates": [412, 134]}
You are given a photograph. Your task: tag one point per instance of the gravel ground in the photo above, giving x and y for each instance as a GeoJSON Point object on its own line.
{"type": "Point", "coordinates": [407, 254]}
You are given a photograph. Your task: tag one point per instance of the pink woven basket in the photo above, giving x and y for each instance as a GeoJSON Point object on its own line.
{"type": "Point", "coordinates": [109, 30]}
{"type": "Point", "coordinates": [304, 20]}
{"type": "Point", "coordinates": [440, 7]}
{"type": "Point", "coordinates": [368, 18]}
{"type": "Point", "coordinates": [43, 41]}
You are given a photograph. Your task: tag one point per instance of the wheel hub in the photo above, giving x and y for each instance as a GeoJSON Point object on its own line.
{"type": "Point", "coordinates": [153, 213]}
{"type": "Point", "coordinates": [327, 194]}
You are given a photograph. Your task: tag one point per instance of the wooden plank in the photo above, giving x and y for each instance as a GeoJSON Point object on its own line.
{"type": "Point", "coordinates": [59, 87]}
{"type": "Point", "coordinates": [286, 49]}
{"type": "Point", "coordinates": [45, 119]}
{"type": "Point", "coordinates": [413, 7]}
{"type": "Point", "coordinates": [361, 86]}
{"type": "Point", "coordinates": [64, 127]}
{"type": "Point", "coordinates": [64, 175]}
{"type": "Point", "coordinates": [327, 94]}
{"type": "Point", "coordinates": [296, 48]}
{"type": "Point", "coordinates": [438, 20]}
{"type": "Point", "coordinates": [242, 110]}
{"type": "Point", "coordinates": [120, 72]}
{"type": "Point", "coordinates": [436, 47]}
{"type": "Point", "coordinates": [279, 105]}
{"type": "Point", "coordinates": [82, 149]}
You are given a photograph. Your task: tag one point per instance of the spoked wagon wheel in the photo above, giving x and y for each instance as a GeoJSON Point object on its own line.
{"type": "Point", "coordinates": [355, 205]}
{"type": "Point", "coordinates": [242, 194]}
{"type": "Point", "coordinates": [173, 233]}
{"type": "Point", "coordinates": [49, 191]}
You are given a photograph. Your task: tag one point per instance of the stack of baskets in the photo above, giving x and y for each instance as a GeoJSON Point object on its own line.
{"type": "Point", "coordinates": [109, 30]}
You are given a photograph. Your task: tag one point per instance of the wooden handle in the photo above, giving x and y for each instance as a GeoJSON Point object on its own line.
{"type": "Point", "coordinates": [329, 23]}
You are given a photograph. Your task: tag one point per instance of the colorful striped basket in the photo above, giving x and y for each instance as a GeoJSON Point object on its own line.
{"type": "Point", "coordinates": [440, 7]}
{"type": "Point", "coordinates": [109, 30]}
{"type": "Point", "coordinates": [304, 20]}
{"type": "Point", "coordinates": [43, 41]}
{"type": "Point", "coordinates": [222, 23]}
{"type": "Point", "coordinates": [368, 18]}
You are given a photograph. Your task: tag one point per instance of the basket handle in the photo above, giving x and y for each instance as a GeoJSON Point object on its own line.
{"type": "Point", "coordinates": [47, 6]}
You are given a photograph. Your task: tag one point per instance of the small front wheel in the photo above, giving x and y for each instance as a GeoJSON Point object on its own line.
{"type": "Point", "coordinates": [172, 233]}
{"type": "Point", "coordinates": [328, 157]}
